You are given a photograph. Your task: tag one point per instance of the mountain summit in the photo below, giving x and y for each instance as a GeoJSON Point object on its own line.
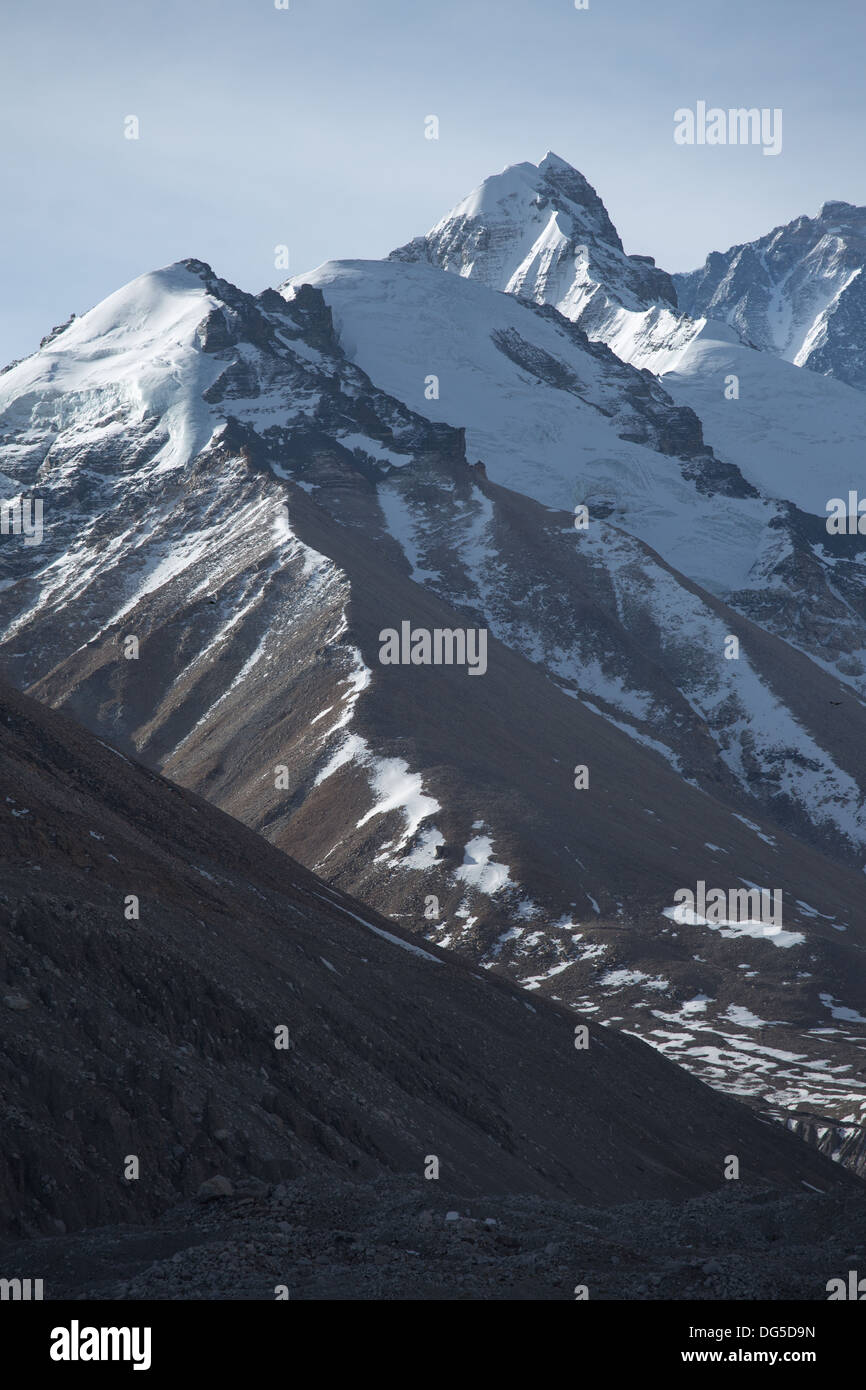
{"type": "Point", "coordinates": [797, 292]}
{"type": "Point", "coordinates": [543, 233]}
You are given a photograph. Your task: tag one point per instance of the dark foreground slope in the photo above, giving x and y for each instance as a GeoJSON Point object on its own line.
{"type": "Point", "coordinates": [154, 1038]}
{"type": "Point", "coordinates": [396, 1239]}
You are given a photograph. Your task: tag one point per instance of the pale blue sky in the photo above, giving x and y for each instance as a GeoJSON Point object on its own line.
{"type": "Point", "coordinates": [306, 127]}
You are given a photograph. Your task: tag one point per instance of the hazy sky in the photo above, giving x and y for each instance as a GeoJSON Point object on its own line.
{"type": "Point", "coordinates": [305, 127]}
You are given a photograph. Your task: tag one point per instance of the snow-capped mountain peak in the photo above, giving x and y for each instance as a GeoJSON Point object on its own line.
{"type": "Point", "coordinates": [797, 292]}
{"type": "Point", "coordinates": [541, 232]}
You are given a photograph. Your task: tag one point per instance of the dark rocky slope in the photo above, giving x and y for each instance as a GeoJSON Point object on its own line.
{"type": "Point", "coordinates": [155, 1037]}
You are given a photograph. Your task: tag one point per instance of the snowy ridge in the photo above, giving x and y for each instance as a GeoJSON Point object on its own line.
{"type": "Point", "coordinates": [542, 233]}
{"type": "Point", "coordinates": [797, 293]}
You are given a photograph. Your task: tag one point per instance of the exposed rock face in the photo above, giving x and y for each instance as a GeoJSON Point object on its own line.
{"type": "Point", "coordinates": [845, 1144]}
{"type": "Point", "coordinates": [797, 292]}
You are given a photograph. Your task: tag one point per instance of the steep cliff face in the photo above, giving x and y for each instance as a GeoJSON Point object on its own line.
{"type": "Point", "coordinates": [797, 292]}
